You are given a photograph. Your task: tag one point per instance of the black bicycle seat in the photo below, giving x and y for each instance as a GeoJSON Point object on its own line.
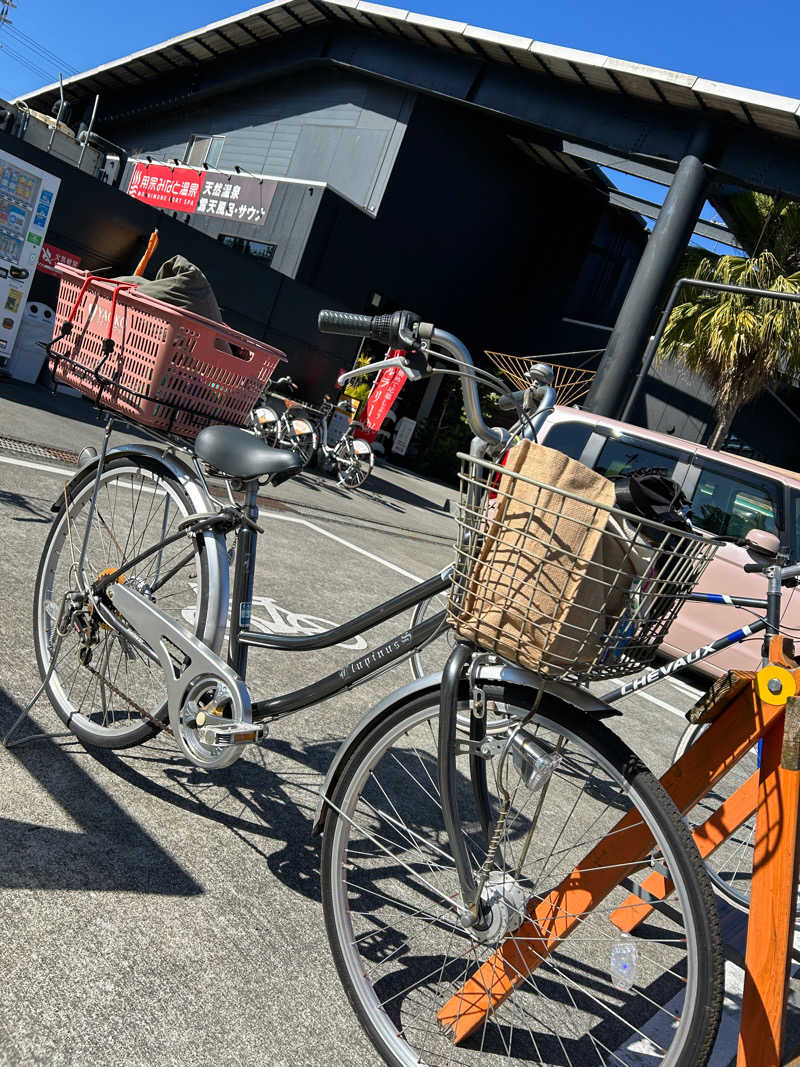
{"type": "Point", "coordinates": [240, 454]}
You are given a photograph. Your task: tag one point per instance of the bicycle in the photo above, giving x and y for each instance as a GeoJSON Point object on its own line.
{"type": "Point", "coordinates": [134, 583]}
{"type": "Point", "coordinates": [304, 430]}
{"type": "Point", "coordinates": [349, 456]}
{"type": "Point", "coordinates": [287, 427]}
{"type": "Point", "coordinates": [468, 915]}
{"type": "Point", "coordinates": [137, 556]}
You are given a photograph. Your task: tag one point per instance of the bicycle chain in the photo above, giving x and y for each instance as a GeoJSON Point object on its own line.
{"type": "Point", "coordinates": [139, 710]}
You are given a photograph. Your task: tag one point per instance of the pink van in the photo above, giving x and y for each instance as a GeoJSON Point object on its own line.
{"type": "Point", "coordinates": [730, 495]}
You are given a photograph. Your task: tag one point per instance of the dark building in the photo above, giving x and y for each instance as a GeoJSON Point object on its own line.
{"type": "Point", "coordinates": [379, 195]}
{"type": "Point", "coordinates": [405, 160]}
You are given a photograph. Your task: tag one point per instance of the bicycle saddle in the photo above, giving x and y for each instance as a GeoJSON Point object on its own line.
{"type": "Point", "coordinates": [240, 454]}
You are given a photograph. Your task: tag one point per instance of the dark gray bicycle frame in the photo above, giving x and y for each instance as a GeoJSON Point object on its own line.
{"type": "Point", "coordinates": [242, 639]}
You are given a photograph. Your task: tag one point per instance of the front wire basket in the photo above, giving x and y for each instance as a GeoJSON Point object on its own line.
{"type": "Point", "coordinates": [562, 585]}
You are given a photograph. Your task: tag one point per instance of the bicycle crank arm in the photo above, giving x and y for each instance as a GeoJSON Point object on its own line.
{"type": "Point", "coordinates": [199, 684]}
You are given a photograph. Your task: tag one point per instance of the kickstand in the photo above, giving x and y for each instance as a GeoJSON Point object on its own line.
{"type": "Point", "coordinates": [7, 742]}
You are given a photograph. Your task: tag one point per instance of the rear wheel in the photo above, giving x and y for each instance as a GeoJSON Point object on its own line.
{"type": "Point", "coordinates": [100, 679]}
{"type": "Point", "coordinates": [598, 995]}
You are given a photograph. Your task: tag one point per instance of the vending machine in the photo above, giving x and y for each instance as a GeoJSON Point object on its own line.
{"type": "Point", "coordinates": [27, 199]}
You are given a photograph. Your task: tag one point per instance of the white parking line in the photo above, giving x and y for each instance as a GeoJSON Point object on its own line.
{"type": "Point", "coordinates": [65, 472]}
{"type": "Point", "coordinates": [684, 688]}
{"type": "Point", "coordinates": [266, 514]}
{"type": "Point", "coordinates": [661, 704]}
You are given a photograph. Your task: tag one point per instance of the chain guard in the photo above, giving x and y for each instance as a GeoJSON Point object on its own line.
{"type": "Point", "coordinates": [197, 679]}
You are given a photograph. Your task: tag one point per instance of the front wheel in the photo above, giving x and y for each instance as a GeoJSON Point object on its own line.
{"type": "Point", "coordinates": [300, 436]}
{"type": "Point", "coordinates": [354, 461]}
{"type": "Point", "coordinates": [431, 657]}
{"type": "Point", "coordinates": [597, 994]}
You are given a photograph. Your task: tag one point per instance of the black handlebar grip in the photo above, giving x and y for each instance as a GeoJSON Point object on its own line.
{"type": "Point", "coordinates": [345, 323]}
{"type": "Point", "coordinates": [752, 568]}
{"type": "Point", "coordinates": [394, 331]}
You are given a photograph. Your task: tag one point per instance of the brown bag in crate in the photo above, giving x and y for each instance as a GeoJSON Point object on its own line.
{"type": "Point", "coordinates": [549, 567]}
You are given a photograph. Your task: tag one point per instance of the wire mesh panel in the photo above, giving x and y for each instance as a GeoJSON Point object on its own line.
{"type": "Point", "coordinates": [570, 383]}
{"type": "Point", "coordinates": [559, 581]}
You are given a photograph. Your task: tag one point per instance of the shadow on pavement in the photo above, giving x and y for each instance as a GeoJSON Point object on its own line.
{"type": "Point", "coordinates": [18, 501]}
{"type": "Point", "coordinates": [110, 851]}
{"type": "Point", "coordinates": [248, 798]}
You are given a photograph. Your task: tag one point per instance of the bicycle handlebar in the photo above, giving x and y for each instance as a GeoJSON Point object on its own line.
{"type": "Point", "coordinates": [371, 368]}
{"type": "Point", "coordinates": [403, 329]}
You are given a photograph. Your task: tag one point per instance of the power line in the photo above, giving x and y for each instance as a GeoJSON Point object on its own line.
{"type": "Point", "coordinates": [27, 51]}
{"type": "Point", "coordinates": [44, 53]}
{"type": "Point", "coordinates": [25, 62]}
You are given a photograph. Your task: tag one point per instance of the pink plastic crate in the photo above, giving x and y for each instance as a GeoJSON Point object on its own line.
{"type": "Point", "coordinates": [169, 369]}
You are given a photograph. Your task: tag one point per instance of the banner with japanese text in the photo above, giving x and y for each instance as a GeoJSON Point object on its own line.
{"type": "Point", "coordinates": [384, 393]}
{"type": "Point", "coordinates": [173, 188]}
{"type": "Point", "coordinates": [51, 255]}
{"type": "Point", "coordinates": [202, 192]}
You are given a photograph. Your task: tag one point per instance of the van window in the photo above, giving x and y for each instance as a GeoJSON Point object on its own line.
{"type": "Point", "coordinates": [620, 455]}
{"type": "Point", "coordinates": [729, 505]}
{"type": "Point", "coordinates": [569, 438]}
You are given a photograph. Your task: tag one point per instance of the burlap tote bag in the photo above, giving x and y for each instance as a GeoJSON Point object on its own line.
{"type": "Point", "coordinates": [551, 572]}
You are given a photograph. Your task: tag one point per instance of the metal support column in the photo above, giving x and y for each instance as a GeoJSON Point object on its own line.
{"type": "Point", "coordinates": [670, 236]}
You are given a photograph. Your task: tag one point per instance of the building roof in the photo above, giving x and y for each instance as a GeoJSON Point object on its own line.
{"type": "Point", "coordinates": [280, 18]}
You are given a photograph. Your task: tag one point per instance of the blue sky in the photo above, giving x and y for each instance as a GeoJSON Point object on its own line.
{"type": "Point", "coordinates": [735, 41]}
{"type": "Point", "coordinates": [738, 41]}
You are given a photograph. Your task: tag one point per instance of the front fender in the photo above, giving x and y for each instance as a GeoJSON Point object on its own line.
{"type": "Point", "coordinates": [201, 502]}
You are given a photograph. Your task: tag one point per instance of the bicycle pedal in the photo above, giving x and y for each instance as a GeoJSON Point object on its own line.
{"type": "Point", "coordinates": [227, 732]}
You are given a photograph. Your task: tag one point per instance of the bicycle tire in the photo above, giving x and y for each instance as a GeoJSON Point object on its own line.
{"type": "Point", "coordinates": [352, 467]}
{"type": "Point", "coordinates": [304, 445]}
{"type": "Point", "coordinates": [730, 866]}
{"type": "Point", "coordinates": [431, 657]}
{"type": "Point", "coordinates": [374, 959]}
{"type": "Point", "coordinates": [117, 727]}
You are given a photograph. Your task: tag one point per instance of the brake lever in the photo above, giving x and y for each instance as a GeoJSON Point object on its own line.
{"type": "Point", "coordinates": [410, 363]}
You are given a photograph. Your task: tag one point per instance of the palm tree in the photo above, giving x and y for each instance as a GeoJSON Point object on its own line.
{"type": "Point", "coordinates": [739, 345]}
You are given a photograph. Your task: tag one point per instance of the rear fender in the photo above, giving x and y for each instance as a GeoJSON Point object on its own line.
{"type": "Point", "coordinates": [265, 415]}
{"type": "Point", "coordinates": [302, 426]}
{"type": "Point", "coordinates": [201, 503]}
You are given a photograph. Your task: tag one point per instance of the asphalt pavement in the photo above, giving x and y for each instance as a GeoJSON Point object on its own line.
{"type": "Point", "coordinates": [158, 915]}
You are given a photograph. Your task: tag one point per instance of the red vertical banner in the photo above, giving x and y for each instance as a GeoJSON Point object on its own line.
{"type": "Point", "coordinates": [384, 393]}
